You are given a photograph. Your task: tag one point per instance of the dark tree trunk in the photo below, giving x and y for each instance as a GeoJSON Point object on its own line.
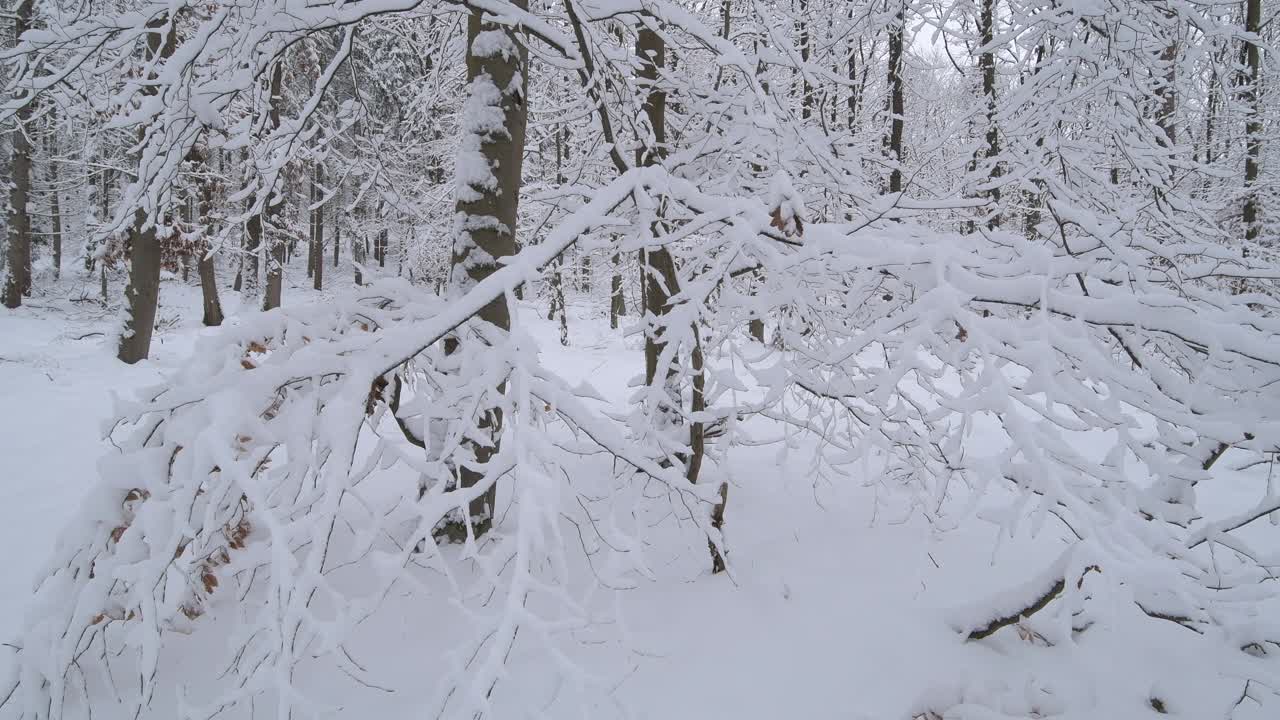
{"type": "Point", "coordinates": [55, 201]}
{"type": "Point", "coordinates": [851, 102]}
{"type": "Point", "coordinates": [806, 90]}
{"type": "Point", "coordinates": [357, 256]}
{"type": "Point", "coordinates": [143, 292]}
{"type": "Point", "coordinates": [987, 61]}
{"type": "Point", "coordinates": [657, 268]}
{"type": "Point", "coordinates": [893, 141]}
{"type": "Point", "coordinates": [269, 220]}
{"type": "Point", "coordinates": [1253, 126]}
{"type": "Point", "coordinates": [1166, 92]}
{"type": "Point", "coordinates": [205, 266]}
{"type": "Point", "coordinates": [209, 288]}
{"type": "Point", "coordinates": [617, 301]}
{"type": "Point", "coordinates": [142, 295]}
{"type": "Point", "coordinates": [659, 279]}
{"type": "Point", "coordinates": [556, 303]}
{"type": "Point", "coordinates": [504, 152]}
{"type": "Point", "coordinates": [337, 242]}
{"type": "Point", "coordinates": [312, 256]}
{"type": "Point", "coordinates": [317, 227]}
{"type": "Point", "coordinates": [18, 276]}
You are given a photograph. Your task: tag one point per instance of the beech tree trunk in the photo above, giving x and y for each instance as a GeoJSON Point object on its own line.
{"type": "Point", "coordinates": [358, 248]}
{"type": "Point", "coordinates": [313, 256]}
{"type": "Point", "coordinates": [205, 267]}
{"type": "Point", "coordinates": [806, 90]}
{"type": "Point", "coordinates": [987, 61]}
{"type": "Point", "coordinates": [497, 77]}
{"type": "Point", "coordinates": [55, 201]}
{"type": "Point", "coordinates": [268, 220]}
{"type": "Point", "coordinates": [142, 295]}
{"type": "Point", "coordinates": [18, 268]}
{"type": "Point", "coordinates": [556, 303]}
{"type": "Point", "coordinates": [893, 142]}
{"type": "Point", "coordinates": [660, 281]}
{"type": "Point", "coordinates": [1253, 126]}
{"type": "Point", "coordinates": [617, 301]}
{"type": "Point", "coordinates": [317, 227]}
{"type": "Point", "coordinates": [657, 268]}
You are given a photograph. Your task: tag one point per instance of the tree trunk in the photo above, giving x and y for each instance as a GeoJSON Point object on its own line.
{"type": "Point", "coordinates": [896, 102]}
{"type": "Point", "coordinates": [556, 304]}
{"type": "Point", "coordinates": [18, 277]}
{"type": "Point", "coordinates": [312, 256]}
{"type": "Point", "coordinates": [143, 292]}
{"type": "Point", "coordinates": [497, 79]}
{"type": "Point", "coordinates": [617, 301]}
{"type": "Point", "coordinates": [657, 268]}
{"type": "Point", "coordinates": [1166, 92]}
{"type": "Point", "coordinates": [209, 287]}
{"type": "Point", "coordinates": [851, 102]}
{"type": "Point", "coordinates": [1253, 126]}
{"type": "Point", "coordinates": [357, 255]}
{"type": "Point", "coordinates": [55, 201]}
{"type": "Point", "coordinates": [988, 63]}
{"type": "Point", "coordinates": [659, 280]}
{"type": "Point", "coordinates": [142, 295]}
{"type": "Point", "coordinates": [337, 240]}
{"type": "Point", "coordinates": [269, 219]}
{"type": "Point", "coordinates": [205, 266]}
{"type": "Point", "coordinates": [317, 226]}
{"type": "Point", "coordinates": [806, 90]}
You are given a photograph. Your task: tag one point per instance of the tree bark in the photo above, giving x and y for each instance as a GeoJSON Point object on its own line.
{"type": "Point", "coordinates": [18, 276]}
{"type": "Point", "coordinates": [658, 273]}
{"type": "Point", "coordinates": [556, 304]}
{"type": "Point", "coordinates": [358, 248]}
{"type": "Point", "coordinates": [806, 90]}
{"type": "Point", "coordinates": [659, 279]}
{"type": "Point", "coordinates": [205, 266]}
{"type": "Point", "coordinates": [142, 294]}
{"type": "Point", "coordinates": [55, 201]}
{"type": "Point", "coordinates": [1166, 92]}
{"type": "Point", "coordinates": [312, 254]}
{"type": "Point", "coordinates": [268, 220]}
{"type": "Point", "coordinates": [896, 98]}
{"type": "Point", "coordinates": [988, 63]}
{"type": "Point", "coordinates": [617, 301]}
{"type": "Point", "coordinates": [317, 226]}
{"type": "Point", "coordinates": [209, 287]}
{"type": "Point", "coordinates": [851, 102]}
{"type": "Point", "coordinates": [1253, 126]}
{"type": "Point", "coordinates": [497, 77]}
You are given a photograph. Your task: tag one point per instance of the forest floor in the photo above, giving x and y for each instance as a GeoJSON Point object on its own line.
{"type": "Point", "coordinates": [830, 610]}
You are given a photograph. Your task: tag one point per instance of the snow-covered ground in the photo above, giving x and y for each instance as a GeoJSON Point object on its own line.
{"type": "Point", "coordinates": [830, 610]}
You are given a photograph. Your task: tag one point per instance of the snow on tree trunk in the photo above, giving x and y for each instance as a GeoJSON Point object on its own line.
{"type": "Point", "coordinates": [490, 157]}
{"type": "Point", "coordinates": [268, 220]}
{"type": "Point", "coordinates": [17, 280]}
{"type": "Point", "coordinates": [55, 193]}
{"type": "Point", "coordinates": [896, 102]}
{"type": "Point", "coordinates": [142, 294]}
{"type": "Point", "coordinates": [317, 226]}
{"type": "Point", "coordinates": [1253, 125]}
